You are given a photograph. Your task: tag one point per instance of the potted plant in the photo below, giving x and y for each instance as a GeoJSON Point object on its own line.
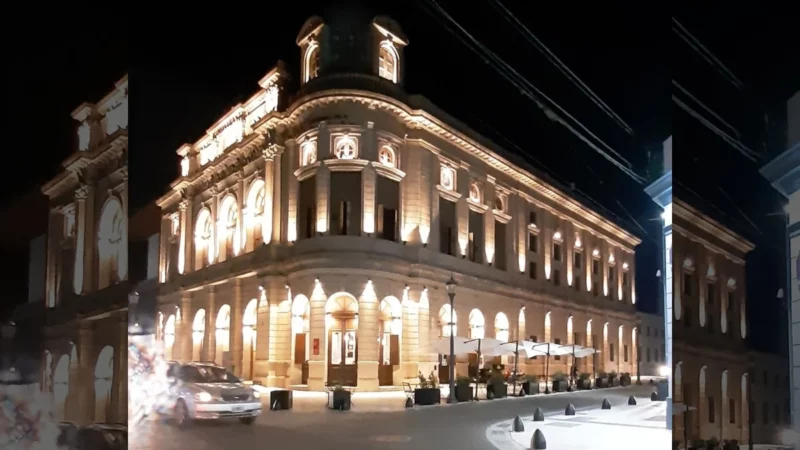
{"type": "Point", "coordinates": [497, 387]}
{"type": "Point", "coordinates": [428, 392]}
{"type": "Point", "coordinates": [463, 389]}
{"type": "Point", "coordinates": [560, 382]}
{"type": "Point", "coordinates": [613, 379]}
{"type": "Point", "coordinates": [584, 382]}
{"type": "Point", "coordinates": [625, 379]}
{"type": "Point", "coordinates": [602, 380]}
{"type": "Point", "coordinates": [530, 384]}
{"type": "Point", "coordinates": [340, 400]}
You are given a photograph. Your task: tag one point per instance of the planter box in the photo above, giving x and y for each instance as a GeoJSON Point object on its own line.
{"type": "Point", "coordinates": [601, 383]}
{"type": "Point", "coordinates": [497, 390]}
{"type": "Point", "coordinates": [464, 393]}
{"type": "Point", "coordinates": [531, 388]}
{"type": "Point", "coordinates": [560, 386]}
{"type": "Point", "coordinates": [625, 381]}
{"type": "Point", "coordinates": [340, 400]}
{"type": "Point", "coordinates": [280, 400]}
{"type": "Point", "coordinates": [613, 382]}
{"type": "Point", "coordinates": [584, 384]}
{"type": "Point", "coordinates": [427, 396]}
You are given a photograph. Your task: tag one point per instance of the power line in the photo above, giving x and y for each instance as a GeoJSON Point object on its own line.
{"type": "Point", "coordinates": [705, 53]}
{"type": "Point", "coordinates": [560, 65]}
{"type": "Point", "coordinates": [515, 78]}
{"type": "Point", "coordinates": [702, 105]}
{"type": "Point", "coordinates": [735, 143]}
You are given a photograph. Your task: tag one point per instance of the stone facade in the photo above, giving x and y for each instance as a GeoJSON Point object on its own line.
{"type": "Point", "coordinates": [85, 361]}
{"type": "Point", "coordinates": [652, 348]}
{"type": "Point", "coordinates": [309, 242]}
{"type": "Point", "coordinates": [709, 326]}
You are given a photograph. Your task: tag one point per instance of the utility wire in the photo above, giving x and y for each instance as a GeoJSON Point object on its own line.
{"type": "Point", "coordinates": [742, 213]}
{"type": "Point", "coordinates": [705, 53]}
{"type": "Point", "coordinates": [708, 110]}
{"type": "Point", "coordinates": [514, 78]}
{"type": "Point", "coordinates": [531, 38]}
{"type": "Point", "coordinates": [735, 143]}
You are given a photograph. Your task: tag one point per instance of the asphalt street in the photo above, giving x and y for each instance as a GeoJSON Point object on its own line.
{"type": "Point", "coordinates": [461, 426]}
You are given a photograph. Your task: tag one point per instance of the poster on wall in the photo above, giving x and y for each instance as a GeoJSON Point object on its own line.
{"type": "Point", "coordinates": [350, 349]}
{"type": "Point", "coordinates": [336, 347]}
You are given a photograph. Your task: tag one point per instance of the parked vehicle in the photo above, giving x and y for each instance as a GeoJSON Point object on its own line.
{"type": "Point", "coordinates": [206, 391]}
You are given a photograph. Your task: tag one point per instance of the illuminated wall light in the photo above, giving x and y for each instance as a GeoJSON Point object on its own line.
{"type": "Point", "coordinates": [424, 233]}
{"type": "Point", "coordinates": [611, 258]}
{"type": "Point", "coordinates": [595, 252]}
{"type": "Point", "coordinates": [424, 303]}
{"type": "Point", "coordinates": [625, 266]}
{"type": "Point", "coordinates": [605, 288]}
{"type": "Point", "coordinates": [185, 166]}
{"type": "Point", "coordinates": [577, 242]}
{"type": "Point", "coordinates": [489, 253]}
{"type": "Point", "coordinates": [633, 297]}
{"type": "Point", "coordinates": [462, 243]}
{"type": "Point", "coordinates": [588, 283]}
{"type": "Point", "coordinates": [521, 261]}
{"type": "Point", "coordinates": [547, 269]}
{"type": "Point", "coordinates": [369, 291]}
{"type": "Point", "coordinates": [262, 302]}
{"type": "Point", "coordinates": [619, 294]}
{"type": "Point", "coordinates": [291, 232]}
{"type": "Point", "coordinates": [407, 288]}
{"type": "Point", "coordinates": [557, 235]}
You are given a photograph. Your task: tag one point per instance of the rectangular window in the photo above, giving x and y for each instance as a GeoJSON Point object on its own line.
{"type": "Point", "coordinates": [532, 270]}
{"type": "Point", "coordinates": [612, 273]}
{"type": "Point", "coordinates": [731, 302]}
{"type": "Point", "coordinates": [532, 218]}
{"type": "Point", "coordinates": [648, 354]}
{"type": "Point", "coordinates": [557, 252]}
{"type": "Point", "coordinates": [557, 277]}
{"type": "Point", "coordinates": [533, 242]}
{"type": "Point", "coordinates": [752, 412]}
{"type": "Point", "coordinates": [595, 266]}
{"type": "Point", "coordinates": [711, 291]}
{"type": "Point", "coordinates": [732, 410]}
{"type": "Point", "coordinates": [625, 353]}
{"type": "Point", "coordinates": [577, 260]}
{"type": "Point", "coordinates": [656, 355]}
{"type": "Point", "coordinates": [711, 411]}
{"type": "Point", "coordinates": [611, 352]}
{"type": "Point", "coordinates": [625, 279]}
{"type": "Point", "coordinates": [557, 357]}
{"type": "Point", "coordinates": [765, 415]}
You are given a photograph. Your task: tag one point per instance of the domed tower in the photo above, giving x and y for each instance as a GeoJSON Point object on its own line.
{"type": "Point", "coordinates": [348, 42]}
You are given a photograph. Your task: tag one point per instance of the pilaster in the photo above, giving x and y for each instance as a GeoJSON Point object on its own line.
{"type": "Point", "coordinates": [262, 339]}
{"type": "Point", "coordinates": [368, 196]}
{"type": "Point", "coordinates": [211, 326]}
{"type": "Point", "coordinates": [462, 209]}
{"type": "Point", "coordinates": [323, 186]}
{"type": "Point", "coordinates": [184, 327]}
{"type": "Point", "coordinates": [240, 238]}
{"type": "Point", "coordinates": [318, 333]}
{"type": "Point", "coordinates": [236, 328]}
{"type": "Point", "coordinates": [368, 339]}
{"type": "Point", "coordinates": [279, 332]}
{"type": "Point", "coordinates": [410, 347]}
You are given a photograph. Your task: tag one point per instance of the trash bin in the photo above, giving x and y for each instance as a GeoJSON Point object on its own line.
{"type": "Point", "coordinates": [280, 400]}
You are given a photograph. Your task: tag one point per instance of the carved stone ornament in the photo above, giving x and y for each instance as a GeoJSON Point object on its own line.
{"type": "Point", "coordinates": [183, 205]}
{"type": "Point", "coordinates": [82, 192]}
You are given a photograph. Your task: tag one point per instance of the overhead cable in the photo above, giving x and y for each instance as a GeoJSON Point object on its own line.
{"type": "Point", "coordinates": [735, 143]}
{"type": "Point", "coordinates": [706, 108]}
{"type": "Point", "coordinates": [531, 38]}
{"type": "Point", "coordinates": [705, 53]}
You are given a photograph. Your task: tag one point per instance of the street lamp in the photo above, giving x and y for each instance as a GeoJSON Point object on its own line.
{"type": "Point", "coordinates": [451, 292]}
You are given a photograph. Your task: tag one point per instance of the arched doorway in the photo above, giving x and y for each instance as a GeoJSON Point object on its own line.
{"type": "Point", "coordinates": [198, 335]}
{"type": "Point", "coordinates": [249, 335]}
{"type": "Point", "coordinates": [203, 231]}
{"type": "Point", "coordinates": [228, 241]}
{"type": "Point", "coordinates": [103, 380]}
{"type": "Point", "coordinates": [341, 317]}
{"type": "Point", "coordinates": [61, 385]}
{"type": "Point", "coordinates": [223, 337]}
{"type": "Point", "coordinates": [111, 242]}
{"type": "Point", "coordinates": [169, 337]}
{"type": "Point", "coordinates": [448, 325]}
{"type": "Point", "coordinates": [477, 324]}
{"type": "Point", "coordinates": [391, 325]}
{"type": "Point", "coordinates": [501, 327]}
{"type": "Point", "coordinates": [301, 320]}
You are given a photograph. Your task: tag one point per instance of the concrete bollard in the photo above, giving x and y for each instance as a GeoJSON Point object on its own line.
{"type": "Point", "coordinates": [654, 396]}
{"type": "Point", "coordinates": [538, 415]}
{"type": "Point", "coordinates": [518, 426]}
{"type": "Point", "coordinates": [409, 403]}
{"type": "Point", "coordinates": [570, 410]}
{"type": "Point", "coordinates": [538, 441]}
{"type": "Point", "coordinates": [631, 401]}
{"type": "Point", "coordinates": [606, 404]}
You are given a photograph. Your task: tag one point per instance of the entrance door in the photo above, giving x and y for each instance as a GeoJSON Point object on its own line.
{"type": "Point", "coordinates": [301, 355]}
{"type": "Point", "coordinates": [444, 370]}
{"type": "Point", "coordinates": [343, 354]}
{"type": "Point", "coordinates": [390, 357]}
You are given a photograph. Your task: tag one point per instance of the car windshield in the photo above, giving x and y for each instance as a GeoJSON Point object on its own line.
{"type": "Point", "coordinates": [207, 374]}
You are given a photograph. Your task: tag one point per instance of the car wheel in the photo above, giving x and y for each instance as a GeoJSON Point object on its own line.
{"type": "Point", "coordinates": [247, 420]}
{"type": "Point", "coordinates": [181, 414]}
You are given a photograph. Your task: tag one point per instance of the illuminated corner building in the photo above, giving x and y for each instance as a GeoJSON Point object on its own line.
{"type": "Point", "coordinates": [85, 362]}
{"type": "Point", "coordinates": [652, 348]}
{"type": "Point", "coordinates": [308, 241]}
{"type": "Point", "coordinates": [709, 326]}
{"type": "Point", "coordinates": [784, 174]}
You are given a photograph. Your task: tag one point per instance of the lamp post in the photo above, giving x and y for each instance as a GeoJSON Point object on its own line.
{"type": "Point", "coordinates": [451, 292]}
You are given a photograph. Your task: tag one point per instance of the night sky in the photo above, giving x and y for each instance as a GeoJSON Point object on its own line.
{"type": "Point", "coordinates": [186, 73]}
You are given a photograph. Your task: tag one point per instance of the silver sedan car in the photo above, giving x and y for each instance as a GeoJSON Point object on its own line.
{"type": "Point", "coordinates": [207, 391]}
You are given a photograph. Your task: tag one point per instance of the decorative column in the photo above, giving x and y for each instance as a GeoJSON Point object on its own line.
{"type": "Point", "coordinates": [368, 339]}
{"type": "Point", "coordinates": [81, 217]}
{"type": "Point", "coordinates": [237, 328]}
{"type": "Point", "coordinates": [211, 325]}
{"type": "Point", "coordinates": [123, 250]}
{"type": "Point", "coordinates": [120, 386]}
{"type": "Point", "coordinates": [488, 222]}
{"type": "Point", "coordinates": [462, 209]}
{"type": "Point", "coordinates": [241, 231]}
{"type": "Point", "coordinates": [279, 213]}
{"type": "Point", "coordinates": [262, 339]}
{"type": "Point", "coordinates": [185, 259]}
{"type": "Point", "coordinates": [213, 244]}
{"type": "Point", "coordinates": [323, 186]}
{"type": "Point", "coordinates": [84, 405]}
{"type": "Point", "coordinates": [435, 237]}
{"type": "Point", "coordinates": [426, 360]}
{"type": "Point", "coordinates": [410, 341]}
{"type": "Point", "coordinates": [318, 337]}
{"type": "Point", "coordinates": [269, 191]}
{"type": "Point", "coordinates": [184, 328]}
{"type": "Point", "coordinates": [368, 195]}
{"type": "Point", "coordinates": [55, 233]}
{"type": "Point", "coordinates": [279, 333]}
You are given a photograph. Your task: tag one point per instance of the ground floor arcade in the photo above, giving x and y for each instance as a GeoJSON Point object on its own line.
{"type": "Point", "coordinates": [84, 366]}
{"type": "Point", "coordinates": [373, 332]}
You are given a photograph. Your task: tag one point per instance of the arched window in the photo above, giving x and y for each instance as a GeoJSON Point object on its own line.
{"type": "Point", "coordinates": [312, 61]}
{"type": "Point", "coordinates": [308, 151]}
{"type": "Point", "coordinates": [387, 61]}
{"type": "Point", "coordinates": [387, 156]}
{"type": "Point", "coordinates": [345, 147]}
{"type": "Point", "coordinates": [475, 192]}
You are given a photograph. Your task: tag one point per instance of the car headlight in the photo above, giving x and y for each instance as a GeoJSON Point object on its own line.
{"type": "Point", "coordinates": [256, 394]}
{"type": "Point", "coordinates": [203, 397]}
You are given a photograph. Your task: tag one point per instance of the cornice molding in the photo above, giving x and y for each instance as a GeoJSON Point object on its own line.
{"type": "Point", "coordinates": [712, 227]}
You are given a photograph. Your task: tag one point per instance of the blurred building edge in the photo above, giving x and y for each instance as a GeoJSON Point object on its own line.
{"type": "Point", "coordinates": [78, 283]}
{"type": "Point", "coordinates": [661, 193]}
{"type": "Point", "coordinates": [652, 347]}
{"type": "Point", "coordinates": [144, 257]}
{"type": "Point", "coordinates": [783, 173]}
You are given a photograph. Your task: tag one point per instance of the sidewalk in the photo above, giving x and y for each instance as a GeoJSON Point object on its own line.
{"type": "Point", "coordinates": [620, 428]}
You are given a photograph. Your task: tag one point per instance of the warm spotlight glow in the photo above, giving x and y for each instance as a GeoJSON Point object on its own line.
{"type": "Point", "coordinates": [663, 371]}
{"type": "Point", "coordinates": [557, 235]}
{"type": "Point", "coordinates": [595, 252]}
{"type": "Point", "coordinates": [625, 266]}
